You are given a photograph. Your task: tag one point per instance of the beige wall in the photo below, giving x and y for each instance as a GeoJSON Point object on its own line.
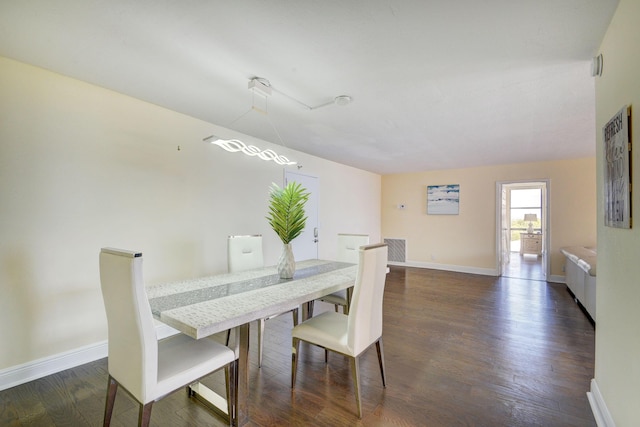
{"type": "Point", "coordinates": [467, 241]}
{"type": "Point", "coordinates": [617, 372]}
{"type": "Point", "coordinates": [82, 167]}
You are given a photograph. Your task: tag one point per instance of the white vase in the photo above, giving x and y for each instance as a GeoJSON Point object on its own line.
{"type": "Point", "coordinates": [286, 263]}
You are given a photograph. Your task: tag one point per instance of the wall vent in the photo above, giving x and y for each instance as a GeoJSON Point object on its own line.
{"type": "Point", "coordinates": [397, 250]}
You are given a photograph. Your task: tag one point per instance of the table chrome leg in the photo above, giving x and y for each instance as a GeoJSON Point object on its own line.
{"type": "Point", "coordinates": [242, 347]}
{"type": "Point", "coordinates": [307, 310]}
{"type": "Point", "coordinates": [217, 403]}
{"type": "Point", "coordinates": [210, 399]}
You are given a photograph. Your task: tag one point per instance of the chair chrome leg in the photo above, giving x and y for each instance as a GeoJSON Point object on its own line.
{"type": "Point", "coordinates": [112, 388]}
{"type": "Point", "coordinates": [144, 415]}
{"type": "Point", "coordinates": [349, 296]}
{"type": "Point", "coordinates": [381, 361]}
{"type": "Point", "coordinates": [294, 312]}
{"type": "Point", "coordinates": [355, 371]}
{"type": "Point", "coordinates": [295, 348]}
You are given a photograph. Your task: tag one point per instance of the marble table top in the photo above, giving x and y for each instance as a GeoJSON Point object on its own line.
{"type": "Point", "coordinates": [207, 305]}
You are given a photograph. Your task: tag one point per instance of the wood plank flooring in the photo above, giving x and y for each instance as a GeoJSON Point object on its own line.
{"type": "Point", "coordinates": [525, 266]}
{"type": "Point", "coordinates": [460, 350]}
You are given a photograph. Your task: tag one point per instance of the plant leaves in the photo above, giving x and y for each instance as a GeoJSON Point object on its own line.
{"type": "Point", "coordinates": [286, 210]}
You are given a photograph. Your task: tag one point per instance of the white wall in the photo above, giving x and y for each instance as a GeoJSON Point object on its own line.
{"type": "Point", "coordinates": [617, 368]}
{"type": "Point", "coordinates": [82, 167]}
{"type": "Point", "coordinates": [467, 241]}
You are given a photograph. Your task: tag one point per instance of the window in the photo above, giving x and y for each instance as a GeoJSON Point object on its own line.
{"type": "Point", "coordinates": [525, 201]}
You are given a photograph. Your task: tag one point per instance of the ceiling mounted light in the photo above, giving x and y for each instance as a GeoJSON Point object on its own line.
{"type": "Point", "coordinates": [262, 89]}
{"type": "Point", "coordinates": [342, 100]}
{"type": "Point", "coordinates": [234, 146]}
{"type": "Point", "coordinates": [263, 86]}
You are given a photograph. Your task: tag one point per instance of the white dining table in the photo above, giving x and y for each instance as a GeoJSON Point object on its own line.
{"type": "Point", "coordinates": [205, 306]}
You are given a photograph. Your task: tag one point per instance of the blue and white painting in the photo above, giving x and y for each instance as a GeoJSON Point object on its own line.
{"type": "Point", "coordinates": [443, 199]}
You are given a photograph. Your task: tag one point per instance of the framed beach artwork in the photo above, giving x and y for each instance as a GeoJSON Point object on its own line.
{"type": "Point", "coordinates": [617, 170]}
{"type": "Point", "coordinates": [443, 199]}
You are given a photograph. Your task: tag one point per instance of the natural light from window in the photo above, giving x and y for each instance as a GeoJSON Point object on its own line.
{"type": "Point", "coordinates": [525, 201]}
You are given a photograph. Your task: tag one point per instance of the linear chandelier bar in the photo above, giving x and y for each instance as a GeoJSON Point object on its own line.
{"type": "Point", "coordinates": [235, 146]}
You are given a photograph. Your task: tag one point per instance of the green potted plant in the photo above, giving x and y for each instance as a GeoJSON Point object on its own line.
{"type": "Point", "coordinates": [287, 218]}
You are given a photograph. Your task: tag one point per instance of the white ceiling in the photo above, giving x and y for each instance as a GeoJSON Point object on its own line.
{"type": "Point", "coordinates": [436, 84]}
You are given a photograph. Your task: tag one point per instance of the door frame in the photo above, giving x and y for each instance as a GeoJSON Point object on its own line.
{"type": "Point", "coordinates": [545, 223]}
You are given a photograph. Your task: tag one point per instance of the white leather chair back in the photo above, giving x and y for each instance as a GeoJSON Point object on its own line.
{"type": "Point", "coordinates": [244, 253]}
{"type": "Point", "coordinates": [133, 345]}
{"type": "Point", "coordinates": [365, 315]}
{"type": "Point", "coordinates": [349, 245]}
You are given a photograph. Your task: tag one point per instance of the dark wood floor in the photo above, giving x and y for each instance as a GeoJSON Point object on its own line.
{"type": "Point", "coordinates": [525, 266]}
{"type": "Point", "coordinates": [461, 350]}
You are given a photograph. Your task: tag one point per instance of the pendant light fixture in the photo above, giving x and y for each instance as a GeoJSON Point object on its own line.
{"type": "Point", "coordinates": [261, 88]}
{"type": "Point", "coordinates": [235, 145]}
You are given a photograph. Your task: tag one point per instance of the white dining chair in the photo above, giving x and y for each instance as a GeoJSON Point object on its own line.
{"type": "Point", "coordinates": [351, 334]}
{"type": "Point", "coordinates": [348, 246]}
{"type": "Point", "coordinates": [146, 368]}
{"type": "Point", "coordinates": [245, 253]}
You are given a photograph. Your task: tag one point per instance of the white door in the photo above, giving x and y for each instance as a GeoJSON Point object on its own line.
{"type": "Point", "coordinates": [506, 230]}
{"type": "Point", "coordinates": [305, 246]}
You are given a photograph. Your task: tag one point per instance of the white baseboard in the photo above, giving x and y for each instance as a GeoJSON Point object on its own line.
{"type": "Point", "coordinates": [556, 279]}
{"type": "Point", "coordinates": [20, 374]}
{"type": "Point", "coordinates": [464, 269]}
{"type": "Point", "coordinates": [33, 370]}
{"type": "Point", "coordinates": [598, 407]}
{"type": "Point", "coordinates": [448, 267]}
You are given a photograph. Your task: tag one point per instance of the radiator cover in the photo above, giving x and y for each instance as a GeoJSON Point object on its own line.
{"type": "Point", "coordinates": [397, 250]}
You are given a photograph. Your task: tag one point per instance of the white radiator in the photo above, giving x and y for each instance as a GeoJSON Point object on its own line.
{"type": "Point", "coordinates": [397, 250]}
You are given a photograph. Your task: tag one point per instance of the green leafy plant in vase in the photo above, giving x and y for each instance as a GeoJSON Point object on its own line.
{"type": "Point", "coordinates": [287, 218]}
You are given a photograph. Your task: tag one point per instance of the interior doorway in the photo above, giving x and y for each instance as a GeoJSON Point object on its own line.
{"type": "Point", "coordinates": [523, 236]}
